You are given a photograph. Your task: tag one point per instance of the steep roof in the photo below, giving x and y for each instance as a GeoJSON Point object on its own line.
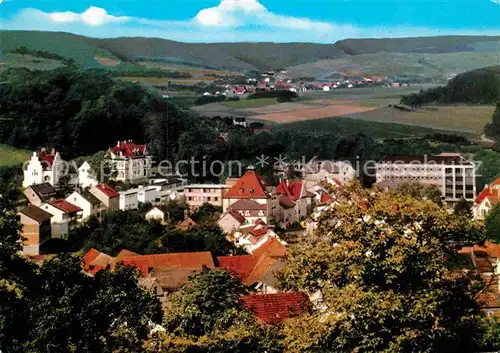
{"type": "Point", "coordinates": [108, 190]}
{"type": "Point", "coordinates": [128, 149]}
{"type": "Point", "coordinates": [489, 192]}
{"type": "Point", "coordinates": [272, 247]}
{"type": "Point", "coordinates": [36, 213]}
{"type": "Point", "coordinates": [241, 265]}
{"type": "Point", "coordinates": [47, 158]}
{"type": "Point", "coordinates": [290, 189]}
{"type": "Point", "coordinates": [65, 206]}
{"type": "Point", "coordinates": [263, 267]}
{"type": "Point", "coordinates": [250, 186]}
{"type": "Point", "coordinates": [44, 190]}
{"type": "Point", "coordinates": [275, 308]}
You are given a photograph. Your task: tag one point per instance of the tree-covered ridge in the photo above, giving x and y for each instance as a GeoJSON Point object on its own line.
{"type": "Point", "coordinates": [480, 86]}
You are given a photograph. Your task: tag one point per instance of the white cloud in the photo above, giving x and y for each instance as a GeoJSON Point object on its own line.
{"type": "Point", "coordinates": [93, 16]}
{"type": "Point", "coordinates": [230, 21]}
{"type": "Point", "coordinates": [239, 13]}
{"type": "Point", "coordinates": [495, 2]}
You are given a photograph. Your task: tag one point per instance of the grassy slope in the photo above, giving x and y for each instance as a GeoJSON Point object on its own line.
{"type": "Point", "coordinates": [370, 128]}
{"type": "Point", "coordinates": [236, 56]}
{"type": "Point", "coordinates": [64, 44]}
{"type": "Point", "coordinates": [250, 103]}
{"type": "Point", "coordinates": [437, 66]}
{"type": "Point", "coordinates": [12, 156]}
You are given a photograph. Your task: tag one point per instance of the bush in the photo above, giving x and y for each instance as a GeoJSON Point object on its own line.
{"type": "Point", "coordinates": [281, 95]}
{"type": "Point", "coordinates": [209, 99]}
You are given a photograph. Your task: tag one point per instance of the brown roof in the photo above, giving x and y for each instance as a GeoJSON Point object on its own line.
{"type": "Point", "coordinates": [171, 279]}
{"type": "Point", "coordinates": [247, 205]}
{"type": "Point", "coordinates": [238, 217]}
{"type": "Point", "coordinates": [90, 198]}
{"type": "Point", "coordinates": [108, 190]}
{"type": "Point", "coordinates": [286, 202]}
{"type": "Point", "coordinates": [186, 224]}
{"type": "Point", "coordinates": [275, 308]}
{"type": "Point", "coordinates": [36, 214]}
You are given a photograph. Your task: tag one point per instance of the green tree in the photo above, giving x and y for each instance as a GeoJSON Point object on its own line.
{"type": "Point", "coordinates": [492, 224]}
{"type": "Point", "coordinates": [463, 208]}
{"type": "Point", "coordinates": [207, 316]}
{"type": "Point", "coordinates": [379, 265]}
{"type": "Point", "coordinates": [64, 188]}
{"type": "Point", "coordinates": [207, 213]}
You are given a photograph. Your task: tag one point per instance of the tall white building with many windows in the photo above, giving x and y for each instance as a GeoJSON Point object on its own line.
{"type": "Point", "coordinates": [454, 175]}
{"type": "Point", "coordinates": [131, 162]}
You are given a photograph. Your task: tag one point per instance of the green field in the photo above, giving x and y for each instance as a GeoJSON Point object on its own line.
{"type": "Point", "coordinates": [12, 156]}
{"type": "Point", "coordinates": [250, 103]}
{"type": "Point", "coordinates": [377, 130]}
{"type": "Point", "coordinates": [465, 119]}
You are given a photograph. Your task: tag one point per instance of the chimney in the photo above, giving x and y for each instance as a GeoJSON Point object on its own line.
{"type": "Point", "coordinates": [53, 151]}
{"type": "Point", "coordinates": [42, 149]}
{"type": "Point", "coordinates": [118, 144]}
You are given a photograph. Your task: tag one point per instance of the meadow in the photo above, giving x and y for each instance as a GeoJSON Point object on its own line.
{"type": "Point", "coordinates": [11, 156]}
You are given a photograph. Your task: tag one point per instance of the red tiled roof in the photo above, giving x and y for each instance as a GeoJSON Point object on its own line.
{"type": "Point", "coordinates": [108, 190]}
{"type": "Point", "coordinates": [325, 198]}
{"type": "Point", "coordinates": [259, 232]}
{"type": "Point", "coordinates": [128, 149]}
{"type": "Point", "coordinates": [125, 253]}
{"type": "Point", "coordinates": [192, 260]}
{"type": "Point", "coordinates": [290, 189]}
{"type": "Point", "coordinates": [47, 158]}
{"type": "Point", "coordinates": [241, 265]}
{"type": "Point", "coordinates": [489, 192]}
{"type": "Point", "coordinates": [250, 186]}
{"type": "Point", "coordinates": [275, 308]}
{"type": "Point", "coordinates": [65, 206]}
{"type": "Point", "coordinates": [90, 256]}
{"type": "Point", "coordinates": [247, 205]}
{"type": "Point", "coordinates": [271, 247]}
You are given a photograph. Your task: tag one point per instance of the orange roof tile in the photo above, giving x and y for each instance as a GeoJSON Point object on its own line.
{"type": "Point", "coordinates": [490, 193]}
{"type": "Point", "coordinates": [192, 260]}
{"type": "Point", "coordinates": [271, 247]}
{"type": "Point", "coordinates": [241, 265]}
{"type": "Point", "coordinates": [265, 264]}
{"type": "Point", "coordinates": [250, 186]}
{"type": "Point", "coordinates": [276, 308]}
{"type": "Point", "coordinates": [89, 257]}
{"type": "Point", "coordinates": [290, 189]}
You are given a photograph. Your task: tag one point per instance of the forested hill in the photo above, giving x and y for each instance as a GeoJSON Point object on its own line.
{"type": "Point", "coordinates": [235, 56]}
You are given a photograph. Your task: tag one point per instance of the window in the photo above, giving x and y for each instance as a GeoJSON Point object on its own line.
{"type": "Point", "coordinates": [216, 199]}
{"type": "Point", "coordinates": [190, 198]}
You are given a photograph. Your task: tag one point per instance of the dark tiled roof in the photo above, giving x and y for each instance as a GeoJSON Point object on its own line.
{"type": "Point", "coordinates": [248, 205]}
{"type": "Point", "coordinates": [276, 308]}
{"type": "Point", "coordinates": [44, 191]}
{"type": "Point", "coordinates": [36, 214]}
{"type": "Point", "coordinates": [90, 198]}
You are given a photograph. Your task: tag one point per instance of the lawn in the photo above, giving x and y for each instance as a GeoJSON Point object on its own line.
{"type": "Point", "coordinates": [251, 103]}
{"type": "Point", "coordinates": [466, 119]}
{"type": "Point", "coordinates": [12, 156]}
{"type": "Point", "coordinates": [373, 129]}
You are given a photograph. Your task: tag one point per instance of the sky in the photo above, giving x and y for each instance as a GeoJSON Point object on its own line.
{"type": "Point", "coordinates": [319, 21]}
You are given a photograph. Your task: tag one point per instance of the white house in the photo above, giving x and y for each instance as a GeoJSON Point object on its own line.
{"type": "Point", "coordinates": [157, 213]}
{"type": "Point", "coordinates": [486, 200]}
{"type": "Point", "coordinates": [231, 221]}
{"type": "Point", "coordinates": [87, 177]}
{"type": "Point", "coordinates": [90, 205]}
{"type": "Point", "coordinates": [129, 200]}
{"type": "Point", "coordinates": [43, 168]}
{"type": "Point", "coordinates": [130, 161]}
{"type": "Point", "coordinates": [146, 194]}
{"type": "Point", "coordinates": [326, 88]}
{"type": "Point", "coordinates": [65, 217]}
